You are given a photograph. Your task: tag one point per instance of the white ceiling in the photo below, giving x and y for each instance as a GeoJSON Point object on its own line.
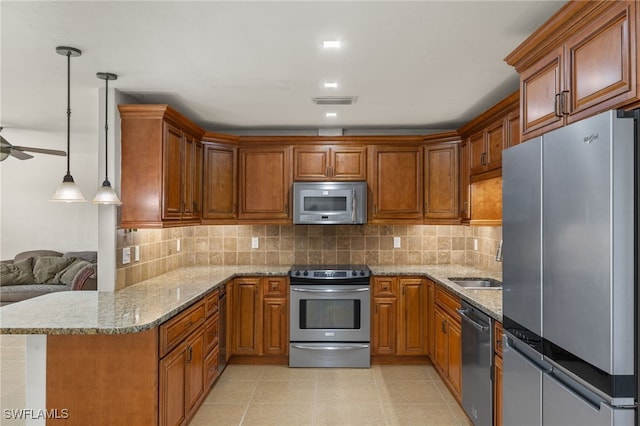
{"type": "Point", "coordinates": [256, 65]}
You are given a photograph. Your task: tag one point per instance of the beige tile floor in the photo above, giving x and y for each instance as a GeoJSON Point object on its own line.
{"type": "Point", "coordinates": [381, 395]}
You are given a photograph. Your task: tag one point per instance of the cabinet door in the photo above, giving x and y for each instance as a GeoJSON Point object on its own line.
{"type": "Point", "coordinates": [513, 129]}
{"type": "Point", "coordinates": [348, 163]}
{"type": "Point", "coordinates": [454, 355]}
{"type": "Point", "coordinates": [211, 368]}
{"type": "Point", "coordinates": [192, 178]}
{"type": "Point", "coordinates": [441, 341]}
{"type": "Point", "coordinates": [441, 181]}
{"type": "Point", "coordinates": [497, 391]}
{"type": "Point", "coordinates": [173, 378]}
{"type": "Point", "coordinates": [247, 316]}
{"type": "Point", "coordinates": [396, 183]}
{"type": "Point", "coordinates": [310, 163]}
{"type": "Point", "coordinates": [495, 138]}
{"type": "Point", "coordinates": [173, 173]}
{"type": "Point", "coordinates": [477, 153]}
{"type": "Point", "coordinates": [413, 317]}
{"type": "Point", "coordinates": [540, 92]}
{"type": "Point", "coordinates": [196, 373]}
{"type": "Point", "coordinates": [465, 182]}
{"type": "Point", "coordinates": [600, 62]}
{"type": "Point", "coordinates": [220, 177]}
{"type": "Point", "coordinates": [384, 330]}
{"type": "Point", "coordinates": [275, 316]}
{"type": "Point", "coordinates": [264, 183]}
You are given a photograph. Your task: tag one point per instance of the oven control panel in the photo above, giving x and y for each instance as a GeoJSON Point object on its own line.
{"type": "Point", "coordinates": [330, 273]}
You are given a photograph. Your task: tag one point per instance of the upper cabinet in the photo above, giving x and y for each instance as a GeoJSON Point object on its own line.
{"type": "Point", "coordinates": [441, 180]}
{"type": "Point", "coordinates": [333, 162]}
{"type": "Point", "coordinates": [395, 181]}
{"type": "Point", "coordinates": [161, 178]}
{"type": "Point", "coordinates": [582, 61]}
{"type": "Point", "coordinates": [264, 183]}
{"type": "Point", "coordinates": [220, 177]}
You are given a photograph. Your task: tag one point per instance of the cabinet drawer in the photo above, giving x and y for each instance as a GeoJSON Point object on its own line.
{"type": "Point", "coordinates": [384, 287]}
{"type": "Point", "coordinates": [175, 330]}
{"type": "Point", "coordinates": [448, 302]}
{"type": "Point", "coordinates": [212, 333]}
{"type": "Point", "coordinates": [497, 338]}
{"type": "Point", "coordinates": [211, 303]}
{"type": "Point", "coordinates": [274, 287]}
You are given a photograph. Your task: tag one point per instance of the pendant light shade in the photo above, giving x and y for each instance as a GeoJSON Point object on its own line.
{"type": "Point", "coordinates": [106, 194]}
{"type": "Point", "coordinates": [68, 191]}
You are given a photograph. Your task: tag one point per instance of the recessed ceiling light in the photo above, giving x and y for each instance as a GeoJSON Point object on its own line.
{"type": "Point", "coordinates": [331, 85]}
{"type": "Point", "coordinates": [331, 44]}
{"type": "Point", "coordinates": [331, 115]}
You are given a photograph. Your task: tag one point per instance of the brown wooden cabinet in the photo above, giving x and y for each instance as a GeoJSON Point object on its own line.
{"type": "Point", "coordinates": [400, 316]}
{"type": "Point", "coordinates": [589, 66]}
{"type": "Point", "coordinates": [441, 180]}
{"type": "Point", "coordinates": [260, 316]}
{"type": "Point", "coordinates": [161, 167]}
{"type": "Point", "coordinates": [465, 182]}
{"type": "Point", "coordinates": [497, 374]}
{"type": "Point", "coordinates": [333, 162]}
{"type": "Point", "coordinates": [513, 129]}
{"type": "Point", "coordinates": [220, 193]}
{"type": "Point", "coordinates": [264, 183]}
{"type": "Point", "coordinates": [447, 329]}
{"type": "Point", "coordinates": [396, 183]}
{"type": "Point", "coordinates": [486, 147]}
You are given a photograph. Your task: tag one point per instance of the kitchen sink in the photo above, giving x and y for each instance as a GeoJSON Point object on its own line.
{"type": "Point", "coordinates": [484, 283]}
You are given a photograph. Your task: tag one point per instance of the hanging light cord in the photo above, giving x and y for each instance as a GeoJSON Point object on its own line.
{"type": "Point", "coordinates": [67, 177]}
{"type": "Point", "coordinates": [106, 133]}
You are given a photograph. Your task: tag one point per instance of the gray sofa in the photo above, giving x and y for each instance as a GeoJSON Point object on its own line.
{"type": "Point", "coordinates": [34, 273]}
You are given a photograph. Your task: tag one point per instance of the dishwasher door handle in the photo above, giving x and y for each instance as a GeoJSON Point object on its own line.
{"type": "Point", "coordinates": [481, 327]}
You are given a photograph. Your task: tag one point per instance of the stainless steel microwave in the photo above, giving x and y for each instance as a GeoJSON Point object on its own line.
{"type": "Point", "coordinates": [329, 203]}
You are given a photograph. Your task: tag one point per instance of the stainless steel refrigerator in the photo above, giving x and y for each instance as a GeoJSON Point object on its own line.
{"type": "Point", "coordinates": [570, 275]}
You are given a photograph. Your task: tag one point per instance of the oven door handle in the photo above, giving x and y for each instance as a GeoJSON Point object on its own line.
{"type": "Point", "coordinates": [328, 290]}
{"type": "Point", "coordinates": [330, 348]}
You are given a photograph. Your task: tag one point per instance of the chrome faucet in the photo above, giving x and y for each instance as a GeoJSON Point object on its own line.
{"type": "Point", "coordinates": [499, 252]}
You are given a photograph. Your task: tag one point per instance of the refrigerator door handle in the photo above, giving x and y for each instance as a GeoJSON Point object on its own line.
{"type": "Point", "coordinates": [544, 367]}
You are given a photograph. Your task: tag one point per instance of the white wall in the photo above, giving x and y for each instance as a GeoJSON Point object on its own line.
{"type": "Point", "coordinates": [28, 220]}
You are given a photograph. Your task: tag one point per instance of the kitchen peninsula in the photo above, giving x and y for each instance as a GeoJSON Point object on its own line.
{"type": "Point", "coordinates": [109, 345]}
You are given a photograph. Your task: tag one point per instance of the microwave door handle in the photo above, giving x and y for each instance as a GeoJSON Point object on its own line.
{"type": "Point", "coordinates": [353, 205]}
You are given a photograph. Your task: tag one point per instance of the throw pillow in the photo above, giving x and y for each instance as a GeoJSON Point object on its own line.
{"type": "Point", "coordinates": [17, 273]}
{"type": "Point", "coordinates": [67, 275]}
{"type": "Point", "coordinates": [46, 268]}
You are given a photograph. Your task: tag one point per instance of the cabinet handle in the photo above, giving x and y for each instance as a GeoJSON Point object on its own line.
{"type": "Point", "coordinates": [376, 308]}
{"type": "Point", "coordinates": [286, 208]}
{"type": "Point", "coordinates": [556, 106]}
{"type": "Point", "coordinates": [195, 207]}
{"type": "Point", "coordinates": [564, 109]}
{"type": "Point", "coordinates": [327, 171]}
{"type": "Point", "coordinates": [375, 209]}
{"type": "Point", "coordinates": [235, 207]}
{"type": "Point", "coordinates": [189, 353]}
{"type": "Point", "coordinates": [330, 171]}
{"type": "Point", "coordinates": [444, 327]}
{"type": "Point", "coordinates": [188, 324]}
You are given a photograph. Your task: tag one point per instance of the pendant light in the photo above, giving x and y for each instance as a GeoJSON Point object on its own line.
{"type": "Point", "coordinates": [68, 191]}
{"type": "Point", "coordinates": [106, 194]}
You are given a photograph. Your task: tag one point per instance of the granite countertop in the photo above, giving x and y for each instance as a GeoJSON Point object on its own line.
{"type": "Point", "coordinates": [149, 303]}
{"type": "Point", "coordinates": [133, 309]}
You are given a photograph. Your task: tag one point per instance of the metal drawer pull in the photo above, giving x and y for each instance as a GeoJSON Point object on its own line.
{"type": "Point", "coordinates": [331, 348]}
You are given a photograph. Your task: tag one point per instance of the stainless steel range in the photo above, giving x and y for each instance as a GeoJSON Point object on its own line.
{"type": "Point", "coordinates": [330, 316]}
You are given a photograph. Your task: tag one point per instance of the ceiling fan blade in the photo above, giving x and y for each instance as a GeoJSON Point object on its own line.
{"type": "Point", "coordinates": [40, 150]}
{"type": "Point", "coordinates": [20, 155]}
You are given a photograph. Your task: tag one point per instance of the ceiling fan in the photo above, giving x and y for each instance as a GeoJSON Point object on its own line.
{"type": "Point", "coordinates": [6, 150]}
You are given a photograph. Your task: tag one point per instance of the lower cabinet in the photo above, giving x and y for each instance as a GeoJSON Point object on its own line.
{"type": "Point", "coordinates": [399, 316]}
{"type": "Point", "coordinates": [189, 363]}
{"type": "Point", "coordinates": [447, 356]}
{"type": "Point", "coordinates": [260, 316]}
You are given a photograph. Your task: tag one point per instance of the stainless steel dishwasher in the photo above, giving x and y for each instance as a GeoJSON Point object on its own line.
{"type": "Point", "coordinates": [477, 365]}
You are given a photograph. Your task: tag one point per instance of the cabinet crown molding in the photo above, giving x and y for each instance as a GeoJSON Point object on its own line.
{"type": "Point", "coordinates": [160, 112]}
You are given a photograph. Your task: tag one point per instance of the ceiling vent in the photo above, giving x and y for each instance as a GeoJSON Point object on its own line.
{"type": "Point", "coordinates": [334, 100]}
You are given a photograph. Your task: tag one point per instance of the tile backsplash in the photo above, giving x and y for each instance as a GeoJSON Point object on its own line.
{"type": "Point", "coordinates": [314, 244]}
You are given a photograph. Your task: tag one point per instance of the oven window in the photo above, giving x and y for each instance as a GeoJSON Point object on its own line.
{"type": "Point", "coordinates": [325, 204]}
{"type": "Point", "coordinates": [327, 314]}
